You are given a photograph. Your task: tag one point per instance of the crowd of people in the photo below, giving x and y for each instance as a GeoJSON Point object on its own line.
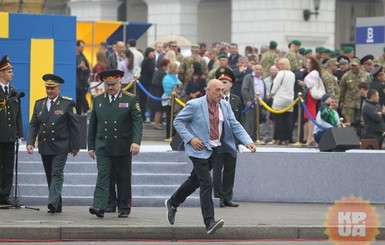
{"type": "Point", "coordinates": [276, 74]}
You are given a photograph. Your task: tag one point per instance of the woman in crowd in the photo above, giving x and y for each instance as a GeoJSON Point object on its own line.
{"type": "Point", "coordinates": [156, 89]}
{"type": "Point", "coordinates": [170, 82]}
{"type": "Point", "coordinates": [282, 93]}
{"type": "Point", "coordinates": [127, 65]}
{"type": "Point", "coordinates": [313, 78]}
{"type": "Point", "coordinates": [146, 73]}
{"type": "Point", "coordinates": [195, 87]}
{"type": "Point", "coordinates": [100, 66]}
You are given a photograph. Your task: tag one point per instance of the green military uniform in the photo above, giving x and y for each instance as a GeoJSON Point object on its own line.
{"type": "Point", "coordinates": [58, 133]}
{"type": "Point", "coordinates": [113, 127]}
{"type": "Point", "coordinates": [11, 129]}
{"type": "Point", "coordinates": [186, 64]}
{"type": "Point", "coordinates": [331, 85]}
{"type": "Point", "coordinates": [350, 96]}
{"type": "Point", "coordinates": [267, 61]}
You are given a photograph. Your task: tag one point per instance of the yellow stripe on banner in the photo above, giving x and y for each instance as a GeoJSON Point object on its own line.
{"type": "Point", "coordinates": [4, 25]}
{"type": "Point", "coordinates": [42, 62]}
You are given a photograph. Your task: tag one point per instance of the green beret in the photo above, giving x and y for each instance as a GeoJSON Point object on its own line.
{"type": "Point", "coordinates": [337, 52]}
{"type": "Point", "coordinates": [347, 50]}
{"type": "Point", "coordinates": [296, 42]}
{"type": "Point", "coordinates": [308, 51]}
{"type": "Point", "coordinates": [320, 50]}
{"type": "Point", "coordinates": [327, 51]}
{"type": "Point", "coordinates": [223, 56]}
{"type": "Point", "coordinates": [302, 51]}
{"type": "Point", "coordinates": [376, 71]}
{"type": "Point", "coordinates": [273, 44]}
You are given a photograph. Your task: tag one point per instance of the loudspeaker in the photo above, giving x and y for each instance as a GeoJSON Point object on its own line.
{"type": "Point", "coordinates": [339, 139]}
{"type": "Point", "coordinates": [369, 144]}
{"type": "Point", "coordinates": [83, 131]}
{"type": "Point", "coordinates": [177, 143]}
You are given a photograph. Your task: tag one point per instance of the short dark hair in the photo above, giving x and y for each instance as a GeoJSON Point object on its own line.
{"type": "Point", "coordinates": [131, 42]}
{"type": "Point", "coordinates": [371, 93]}
{"type": "Point", "coordinates": [78, 42]}
{"type": "Point", "coordinates": [363, 85]}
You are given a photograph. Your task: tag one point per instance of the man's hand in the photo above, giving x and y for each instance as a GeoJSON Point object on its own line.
{"type": "Point", "coordinates": [74, 152]}
{"type": "Point", "coordinates": [197, 144]}
{"type": "Point", "coordinates": [30, 149]}
{"type": "Point", "coordinates": [91, 153]}
{"type": "Point", "coordinates": [251, 147]}
{"type": "Point", "coordinates": [134, 149]}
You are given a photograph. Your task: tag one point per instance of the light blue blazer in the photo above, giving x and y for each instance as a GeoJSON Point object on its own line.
{"type": "Point", "coordinates": [193, 121]}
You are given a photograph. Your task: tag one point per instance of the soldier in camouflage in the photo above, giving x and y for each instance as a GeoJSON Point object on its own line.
{"type": "Point", "coordinates": [330, 81]}
{"type": "Point", "coordinates": [188, 61]}
{"type": "Point", "coordinates": [268, 58]}
{"type": "Point", "coordinates": [350, 97]}
{"type": "Point", "coordinates": [295, 58]}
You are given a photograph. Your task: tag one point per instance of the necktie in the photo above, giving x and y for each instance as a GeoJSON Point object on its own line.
{"type": "Point", "coordinates": [6, 90]}
{"type": "Point", "coordinates": [112, 98]}
{"type": "Point", "coordinates": [52, 103]}
{"type": "Point", "coordinates": [227, 98]}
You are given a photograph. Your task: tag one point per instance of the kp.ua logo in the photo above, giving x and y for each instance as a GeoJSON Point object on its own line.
{"type": "Point", "coordinates": [352, 219]}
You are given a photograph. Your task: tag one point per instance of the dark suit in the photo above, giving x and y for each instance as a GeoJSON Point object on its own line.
{"type": "Point", "coordinates": [11, 129]}
{"type": "Point", "coordinates": [58, 133]}
{"type": "Point", "coordinates": [112, 61]}
{"type": "Point", "coordinates": [224, 181]}
{"type": "Point", "coordinates": [112, 129]}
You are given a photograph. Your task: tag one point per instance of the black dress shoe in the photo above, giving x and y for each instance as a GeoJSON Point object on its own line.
{"type": "Point", "coordinates": [51, 208]}
{"type": "Point", "coordinates": [58, 210]}
{"type": "Point", "coordinates": [123, 215]}
{"type": "Point", "coordinates": [170, 211]}
{"type": "Point", "coordinates": [231, 204]}
{"type": "Point", "coordinates": [111, 210]}
{"type": "Point", "coordinates": [214, 226]}
{"type": "Point", "coordinates": [221, 203]}
{"type": "Point", "coordinates": [97, 211]}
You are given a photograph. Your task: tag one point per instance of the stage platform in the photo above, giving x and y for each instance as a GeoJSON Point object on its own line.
{"type": "Point", "coordinates": [272, 174]}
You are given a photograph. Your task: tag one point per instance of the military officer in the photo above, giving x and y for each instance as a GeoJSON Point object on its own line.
{"type": "Point", "coordinates": [10, 127]}
{"type": "Point", "coordinates": [188, 61]}
{"type": "Point", "coordinates": [295, 58]}
{"type": "Point", "coordinates": [56, 125]}
{"type": "Point", "coordinates": [268, 58]}
{"type": "Point", "coordinates": [224, 166]}
{"type": "Point", "coordinates": [114, 135]}
{"type": "Point", "coordinates": [378, 83]}
{"type": "Point", "coordinates": [330, 81]}
{"type": "Point", "coordinates": [367, 63]}
{"type": "Point", "coordinates": [349, 94]}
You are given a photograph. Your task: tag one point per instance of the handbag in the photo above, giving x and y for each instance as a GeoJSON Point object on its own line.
{"type": "Point", "coordinates": [318, 90]}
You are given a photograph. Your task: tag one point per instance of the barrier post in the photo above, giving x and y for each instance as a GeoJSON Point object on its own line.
{"type": "Point", "coordinates": [257, 127]}
{"type": "Point", "coordinates": [172, 100]}
{"type": "Point", "coordinates": [299, 121]}
{"type": "Point", "coordinates": [134, 81]}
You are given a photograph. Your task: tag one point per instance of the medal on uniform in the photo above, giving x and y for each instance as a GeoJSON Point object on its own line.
{"type": "Point", "coordinates": [123, 105]}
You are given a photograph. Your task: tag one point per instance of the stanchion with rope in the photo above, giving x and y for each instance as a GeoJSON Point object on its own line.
{"type": "Point", "coordinates": [135, 85]}
{"type": "Point", "coordinates": [171, 117]}
{"type": "Point", "coordinates": [257, 127]}
{"type": "Point", "coordinates": [299, 121]}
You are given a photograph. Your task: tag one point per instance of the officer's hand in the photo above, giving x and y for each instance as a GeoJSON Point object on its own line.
{"type": "Point", "coordinates": [197, 144]}
{"type": "Point", "coordinates": [134, 149]}
{"type": "Point", "coordinates": [91, 154]}
{"type": "Point", "coordinates": [74, 152]}
{"type": "Point", "coordinates": [251, 147]}
{"type": "Point", "coordinates": [30, 149]}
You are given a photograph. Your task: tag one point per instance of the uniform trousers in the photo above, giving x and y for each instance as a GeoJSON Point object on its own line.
{"type": "Point", "coordinates": [223, 176]}
{"type": "Point", "coordinates": [121, 166]}
{"type": "Point", "coordinates": [54, 172]}
{"type": "Point", "coordinates": [200, 177]}
{"type": "Point", "coordinates": [7, 159]}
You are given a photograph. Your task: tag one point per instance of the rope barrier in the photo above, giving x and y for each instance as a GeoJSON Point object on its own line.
{"type": "Point", "coordinates": [180, 102]}
{"type": "Point", "coordinates": [248, 108]}
{"type": "Point", "coordinates": [129, 85]}
{"type": "Point", "coordinates": [310, 116]}
{"type": "Point", "coordinates": [267, 107]}
{"type": "Point", "coordinates": [149, 94]}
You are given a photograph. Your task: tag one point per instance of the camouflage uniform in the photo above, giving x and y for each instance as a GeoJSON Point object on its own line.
{"type": "Point", "coordinates": [267, 61]}
{"type": "Point", "coordinates": [186, 64]}
{"type": "Point", "coordinates": [331, 85]}
{"type": "Point", "coordinates": [296, 60]}
{"type": "Point", "coordinates": [380, 60]}
{"type": "Point", "coordinates": [350, 96]}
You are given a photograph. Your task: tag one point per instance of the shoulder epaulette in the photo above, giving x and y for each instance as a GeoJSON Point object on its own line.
{"type": "Point", "coordinates": [100, 94]}
{"type": "Point", "coordinates": [41, 99]}
{"type": "Point", "coordinates": [66, 98]}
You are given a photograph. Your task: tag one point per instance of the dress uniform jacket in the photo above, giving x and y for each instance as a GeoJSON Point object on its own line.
{"type": "Point", "coordinates": [10, 116]}
{"type": "Point", "coordinates": [115, 126]}
{"type": "Point", "coordinates": [57, 130]}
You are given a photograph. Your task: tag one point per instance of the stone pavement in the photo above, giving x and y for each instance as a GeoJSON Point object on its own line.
{"type": "Point", "coordinates": [249, 221]}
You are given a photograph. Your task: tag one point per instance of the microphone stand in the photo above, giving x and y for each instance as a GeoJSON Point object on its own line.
{"type": "Point", "coordinates": [16, 203]}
